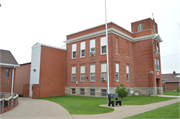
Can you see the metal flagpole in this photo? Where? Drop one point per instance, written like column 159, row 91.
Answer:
column 107, row 50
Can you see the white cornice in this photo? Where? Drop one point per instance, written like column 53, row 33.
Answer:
column 40, row 44
column 117, row 32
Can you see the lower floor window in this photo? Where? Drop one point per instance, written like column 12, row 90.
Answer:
column 92, row 92
column 82, row 77
column 103, row 92
column 82, row 92
column 93, row 76
column 73, row 90
column 73, row 77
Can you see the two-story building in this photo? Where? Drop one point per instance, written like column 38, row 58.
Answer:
column 134, row 60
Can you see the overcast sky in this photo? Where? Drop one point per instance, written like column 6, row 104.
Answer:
column 25, row 22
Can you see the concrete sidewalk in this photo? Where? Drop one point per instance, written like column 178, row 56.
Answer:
column 29, row 108
column 169, row 96
column 126, row 110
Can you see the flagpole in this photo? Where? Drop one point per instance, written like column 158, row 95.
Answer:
column 107, row 50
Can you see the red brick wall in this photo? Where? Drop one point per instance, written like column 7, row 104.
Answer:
column 25, row 90
column 22, row 77
column 5, row 81
column 171, row 86
column 36, row 91
column 52, row 72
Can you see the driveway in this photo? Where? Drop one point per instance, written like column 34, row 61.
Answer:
column 29, row 108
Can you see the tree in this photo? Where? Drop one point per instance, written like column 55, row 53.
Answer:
column 121, row 91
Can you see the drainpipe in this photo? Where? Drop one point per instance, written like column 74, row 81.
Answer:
column 12, row 83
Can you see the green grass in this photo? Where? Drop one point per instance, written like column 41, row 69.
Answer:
column 90, row 105
column 170, row 111
column 175, row 93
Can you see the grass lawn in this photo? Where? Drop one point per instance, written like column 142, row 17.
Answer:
column 175, row 93
column 170, row 111
column 90, row 105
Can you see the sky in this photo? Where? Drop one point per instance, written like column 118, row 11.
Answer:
column 25, row 22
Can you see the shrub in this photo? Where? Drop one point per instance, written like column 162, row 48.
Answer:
column 5, row 103
column 20, row 95
column 121, row 91
column 178, row 89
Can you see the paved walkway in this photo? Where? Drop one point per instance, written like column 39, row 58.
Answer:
column 41, row 109
column 126, row 110
column 36, row 109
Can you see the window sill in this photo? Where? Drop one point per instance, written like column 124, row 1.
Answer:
column 127, row 57
column 73, row 58
column 103, row 54
column 128, row 81
column 117, row 54
column 118, row 81
column 82, row 57
column 81, row 81
column 92, row 81
column 103, row 81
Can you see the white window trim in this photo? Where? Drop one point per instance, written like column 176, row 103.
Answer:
column 118, row 71
column 102, row 46
column 106, row 69
column 94, row 72
column 83, row 73
column 73, row 73
column 127, row 73
column 140, row 27
column 94, row 45
column 74, row 51
column 83, row 49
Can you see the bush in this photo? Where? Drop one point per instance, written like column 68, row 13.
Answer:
column 178, row 90
column 121, row 91
column 5, row 103
column 20, row 95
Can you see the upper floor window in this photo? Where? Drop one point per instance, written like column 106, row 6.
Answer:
column 140, row 27
column 82, row 49
column 73, row 51
column 154, row 45
column 117, row 72
column 154, row 28
column 73, row 74
column 7, row 72
column 92, row 47
column 157, row 47
column 158, row 66
column 127, row 73
column 103, row 45
column 155, row 64
column 82, row 73
column 92, row 72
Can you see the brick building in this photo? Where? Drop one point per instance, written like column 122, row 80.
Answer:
column 171, row 81
column 22, row 78
column 134, row 60
column 8, row 66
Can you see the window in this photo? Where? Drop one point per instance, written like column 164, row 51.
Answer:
column 82, row 73
column 154, row 46
column 92, row 72
column 7, row 72
column 127, row 49
column 73, row 91
column 82, row 92
column 103, row 92
column 140, row 27
column 103, row 45
column 155, row 64
column 117, row 45
column 92, row 92
column 73, row 51
column 157, row 47
column 154, row 28
column 82, row 49
column 158, row 67
column 117, row 72
column 92, row 47
column 73, row 74
column 103, row 71
column 127, row 73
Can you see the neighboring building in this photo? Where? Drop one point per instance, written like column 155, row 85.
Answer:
column 48, row 71
column 134, row 60
column 22, row 78
column 171, row 81
column 8, row 66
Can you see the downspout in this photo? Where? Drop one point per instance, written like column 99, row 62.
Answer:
column 12, row 82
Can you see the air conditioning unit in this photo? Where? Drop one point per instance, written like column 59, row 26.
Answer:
column 92, row 53
column 103, row 78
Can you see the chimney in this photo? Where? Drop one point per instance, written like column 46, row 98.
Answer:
column 174, row 72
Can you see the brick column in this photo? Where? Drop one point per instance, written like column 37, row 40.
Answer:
column 10, row 103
